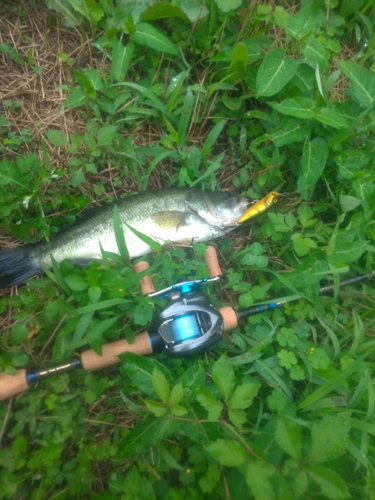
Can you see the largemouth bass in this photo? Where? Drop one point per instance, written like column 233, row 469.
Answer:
column 168, row 215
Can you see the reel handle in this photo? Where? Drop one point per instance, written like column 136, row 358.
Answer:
column 210, row 256
column 146, row 283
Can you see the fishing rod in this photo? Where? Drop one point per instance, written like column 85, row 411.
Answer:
column 188, row 325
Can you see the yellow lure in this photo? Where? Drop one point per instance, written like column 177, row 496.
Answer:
column 260, row 206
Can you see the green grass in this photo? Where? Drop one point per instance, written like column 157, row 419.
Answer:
column 251, row 99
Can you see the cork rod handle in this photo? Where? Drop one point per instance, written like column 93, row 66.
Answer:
column 10, row 385
column 110, row 352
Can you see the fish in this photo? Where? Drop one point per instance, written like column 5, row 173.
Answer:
column 260, row 206
column 172, row 215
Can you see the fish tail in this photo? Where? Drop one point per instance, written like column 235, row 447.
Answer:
column 17, row 265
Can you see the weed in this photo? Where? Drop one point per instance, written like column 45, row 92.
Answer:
column 220, row 95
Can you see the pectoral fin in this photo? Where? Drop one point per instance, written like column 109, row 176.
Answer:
column 171, row 219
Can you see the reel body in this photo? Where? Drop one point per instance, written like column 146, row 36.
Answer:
column 189, row 324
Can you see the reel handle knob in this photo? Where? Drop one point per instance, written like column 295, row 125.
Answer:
column 146, row 283
column 10, row 385
column 210, row 256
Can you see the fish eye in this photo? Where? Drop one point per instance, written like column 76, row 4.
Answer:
column 227, row 194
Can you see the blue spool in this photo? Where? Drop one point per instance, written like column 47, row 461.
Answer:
column 185, row 327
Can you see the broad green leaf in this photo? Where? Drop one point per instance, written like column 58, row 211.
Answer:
column 106, row 134
column 258, row 475
column 94, row 78
column 18, row 333
column 12, row 53
column 76, row 282
column 161, row 10
column 71, row 17
column 161, row 385
column 227, row 452
column 177, row 393
column 158, row 409
column 169, row 458
column 57, row 137
column 146, row 433
column 329, row 437
column 94, row 293
column 312, row 269
column 348, row 203
column 331, row 117
column 243, row 396
column 304, row 79
column 316, row 53
column 85, row 83
column 345, row 251
column 232, row 103
column 254, row 50
column 193, row 377
column 289, row 131
column 75, row 99
column 194, row 9
column 209, row 403
column 307, row 20
column 332, row 485
column 275, row 72
column 288, row 437
column 237, row 417
column 228, row 5
column 119, row 234
column 88, row 8
column 313, row 161
column 149, row 36
column 223, row 376
column 300, row 107
column 121, row 57
column 361, row 81
column 364, row 189
column 140, row 369
column 351, row 162
column 302, row 246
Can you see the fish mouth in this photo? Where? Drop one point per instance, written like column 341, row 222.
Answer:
column 235, row 211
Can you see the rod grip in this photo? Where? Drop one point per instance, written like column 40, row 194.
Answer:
column 110, row 352
column 210, row 256
column 230, row 318
column 10, row 385
column 146, row 283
